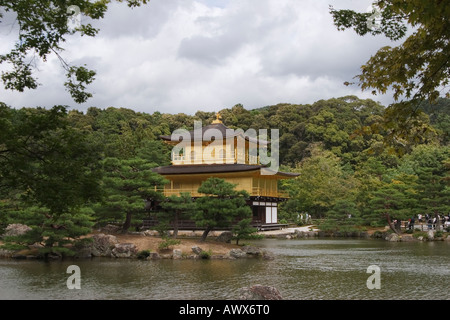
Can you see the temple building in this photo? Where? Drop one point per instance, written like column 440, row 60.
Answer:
column 218, row 151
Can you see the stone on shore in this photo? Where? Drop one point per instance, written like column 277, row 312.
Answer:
column 103, row 244
column 177, row 254
column 252, row 251
column 153, row 256
column 237, row 253
column 16, row 229
column 197, row 249
column 225, row 237
column 124, row 250
column 260, row 292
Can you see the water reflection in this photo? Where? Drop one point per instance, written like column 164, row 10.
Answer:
column 302, row 269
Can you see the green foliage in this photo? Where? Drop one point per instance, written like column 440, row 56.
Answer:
column 61, row 162
column 167, row 243
column 243, row 230
column 220, row 206
column 321, row 183
column 416, row 70
column 143, row 254
column 55, row 233
column 205, row 254
column 47, row 161
column 176, row 208
column 127, row 184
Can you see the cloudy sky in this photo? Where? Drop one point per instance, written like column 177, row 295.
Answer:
column 186, row 55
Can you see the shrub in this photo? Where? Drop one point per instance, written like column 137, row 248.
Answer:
column 420, row 234
column 144, row 254
column 168, row 243
column 205, row 254
column 439, row 234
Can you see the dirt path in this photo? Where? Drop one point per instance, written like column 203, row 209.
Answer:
column 152, row 243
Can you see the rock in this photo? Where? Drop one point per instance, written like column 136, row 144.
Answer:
column 430, row 235
column 364, row 234
column 288, row 237
column 153, row 256
column 103, row 244
column 420, row 238
column 111, row 229
column 16, row 229
column 237, row 253
column 6, row 253
column 54, row 256
column 225, row 237
column 260, row 292
column 124, row 250
column 177, row 254
column 250, row 250
column 197, row 249
column 300, row 234
column 150, row 233
column 84, row 252
column 393, row 237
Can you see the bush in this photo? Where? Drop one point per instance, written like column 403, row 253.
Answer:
column 168, row 243
column 420, row 234
column 439, row 234
column 205, row 254
column 144, row 254
column 163, row 229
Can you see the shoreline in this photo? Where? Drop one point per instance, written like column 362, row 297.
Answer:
column 146, row 245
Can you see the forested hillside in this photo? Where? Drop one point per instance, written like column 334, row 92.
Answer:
column 66, row 171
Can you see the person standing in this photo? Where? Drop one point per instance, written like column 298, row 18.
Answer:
column 411, row 223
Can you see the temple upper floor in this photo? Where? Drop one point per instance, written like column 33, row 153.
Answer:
column 216, row 144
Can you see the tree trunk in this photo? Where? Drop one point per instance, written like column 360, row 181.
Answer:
column 391, row 225
column 205, row 234
column 175, row 226
column 127, row 223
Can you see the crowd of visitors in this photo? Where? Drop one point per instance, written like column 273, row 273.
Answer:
column 431, row 221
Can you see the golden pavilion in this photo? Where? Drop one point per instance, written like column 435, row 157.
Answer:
column 218, row 151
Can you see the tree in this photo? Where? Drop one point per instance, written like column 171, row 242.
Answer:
column 55, row 233
column 49, row 163
column 176, row 208
column 322, row 181
column 127, row 185
column 343, row 216
column 221, row 206
column 395, row 200
column 418, row 68
column 243, row 229
column 428, row 163
column 43, row 27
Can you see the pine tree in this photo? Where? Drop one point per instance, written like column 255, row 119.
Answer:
column 176, row 208
column 221, row 206
column 127, row 185
column 395, row 200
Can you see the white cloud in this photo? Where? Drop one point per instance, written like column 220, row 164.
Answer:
column 186, row 55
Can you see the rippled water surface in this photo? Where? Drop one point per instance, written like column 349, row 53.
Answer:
column 302, row 269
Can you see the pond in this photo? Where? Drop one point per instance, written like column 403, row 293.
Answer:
column 331, row 269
